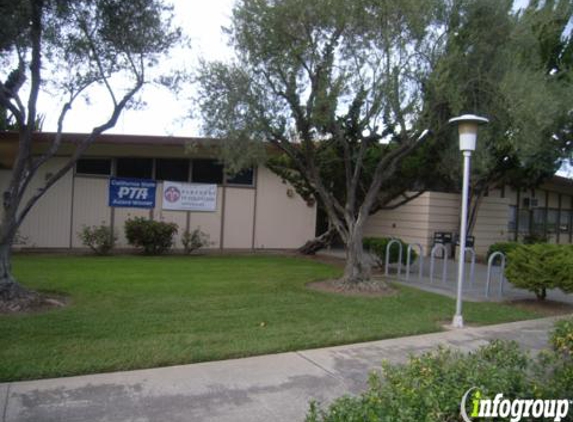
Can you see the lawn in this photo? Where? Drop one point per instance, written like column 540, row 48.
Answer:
column 133, row 312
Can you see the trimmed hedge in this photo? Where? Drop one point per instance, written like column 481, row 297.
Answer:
column 154, row 237
column 377, row 247
column 504, row 247
column 540, row 267
column 430, row 387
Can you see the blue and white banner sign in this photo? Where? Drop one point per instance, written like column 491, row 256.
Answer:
column 132, row 193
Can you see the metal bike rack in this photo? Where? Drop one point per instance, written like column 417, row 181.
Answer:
column 420, row 260
column 472, row 265
column 387, row 258
column 490, row 261
column 439, row 246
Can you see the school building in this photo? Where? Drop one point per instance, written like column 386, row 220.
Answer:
column 124, row 176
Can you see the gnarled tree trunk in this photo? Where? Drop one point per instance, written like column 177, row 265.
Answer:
column 320, row 242
column 9, row 289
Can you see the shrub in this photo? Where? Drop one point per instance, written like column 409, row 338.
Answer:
column 534, row 238
column 561, row 266
column 155, row 237
column 561, row 337
column 194, row 240
column 430, row 387
column 377, row 247
column 504, row 247
column 100, row 239
column 541, row 266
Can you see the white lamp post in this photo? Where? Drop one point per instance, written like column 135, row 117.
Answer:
column 467, row 129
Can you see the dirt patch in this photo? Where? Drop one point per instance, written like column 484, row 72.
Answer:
column 35, row 304
column 373, row 288
column 544, row 307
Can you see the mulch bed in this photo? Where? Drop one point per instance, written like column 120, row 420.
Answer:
column 544, row 307
column 34, row 304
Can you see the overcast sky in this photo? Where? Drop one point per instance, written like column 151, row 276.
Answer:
column 164, row 113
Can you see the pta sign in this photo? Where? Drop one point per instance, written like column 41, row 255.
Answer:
column 132, row 193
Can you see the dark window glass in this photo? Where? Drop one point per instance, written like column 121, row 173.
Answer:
column 539, row 220
column 565, row 221
column 524, row 221
column 138, row 168
column 207, row 171
column 552, row 220
column 172, row 169
column 244, row 177
column 94, row 166
column 512, row 224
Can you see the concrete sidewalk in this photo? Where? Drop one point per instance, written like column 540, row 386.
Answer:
column 273, row 387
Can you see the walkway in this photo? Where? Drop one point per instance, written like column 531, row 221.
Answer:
column 472, row 291
column 265, row 388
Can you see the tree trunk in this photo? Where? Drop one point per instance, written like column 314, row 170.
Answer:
column 9, row 288
column 320, row 242
column 357, row 269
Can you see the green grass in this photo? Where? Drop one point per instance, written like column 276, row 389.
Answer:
column 139, row 312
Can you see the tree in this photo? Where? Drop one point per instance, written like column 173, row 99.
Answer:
column 327, row 78
column 69, row 47
column 515, row 69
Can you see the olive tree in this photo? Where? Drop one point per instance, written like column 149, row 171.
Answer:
column 311, row 77
column 67, row 47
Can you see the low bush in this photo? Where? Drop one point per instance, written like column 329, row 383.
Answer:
column 377, row 247
column 154, row 237
column 561, row 337
column 194, row 240
column 504, row 247
column 540, row 267
column 100, row 239
column 430, row 387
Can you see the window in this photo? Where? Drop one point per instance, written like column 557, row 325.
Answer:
column 138, row 168
column 565, row 222
column 524, row 221
column 207, row 171
column 173, row 169
column 512, row 224
column 244, row 177
column 552, row 220
column 94, row 166
column 539, row 220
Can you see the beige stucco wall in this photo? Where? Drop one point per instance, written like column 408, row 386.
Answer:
column 266, row 212
column 491, row 223
column 282, row 221
column 419, row 219
column 49, row 223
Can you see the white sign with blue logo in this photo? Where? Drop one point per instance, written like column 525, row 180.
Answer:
column 189, row 197
column 132, row 193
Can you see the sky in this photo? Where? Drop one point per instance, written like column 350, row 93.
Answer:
column 164, row 113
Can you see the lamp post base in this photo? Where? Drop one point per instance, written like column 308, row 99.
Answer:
column 458, row 321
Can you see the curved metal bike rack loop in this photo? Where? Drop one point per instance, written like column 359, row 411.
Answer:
column 387, row 258
column 472, row 265
column 439, row 246
column 409, row 260
column 489, row 270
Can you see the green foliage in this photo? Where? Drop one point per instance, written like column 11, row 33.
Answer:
column 561, row 338
column 194, row 240
column 533, row 238
column 541, row 266
column 100, row 239
column 155, row 237
column 504, row 247
column 377, row 246
column 430, row 387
